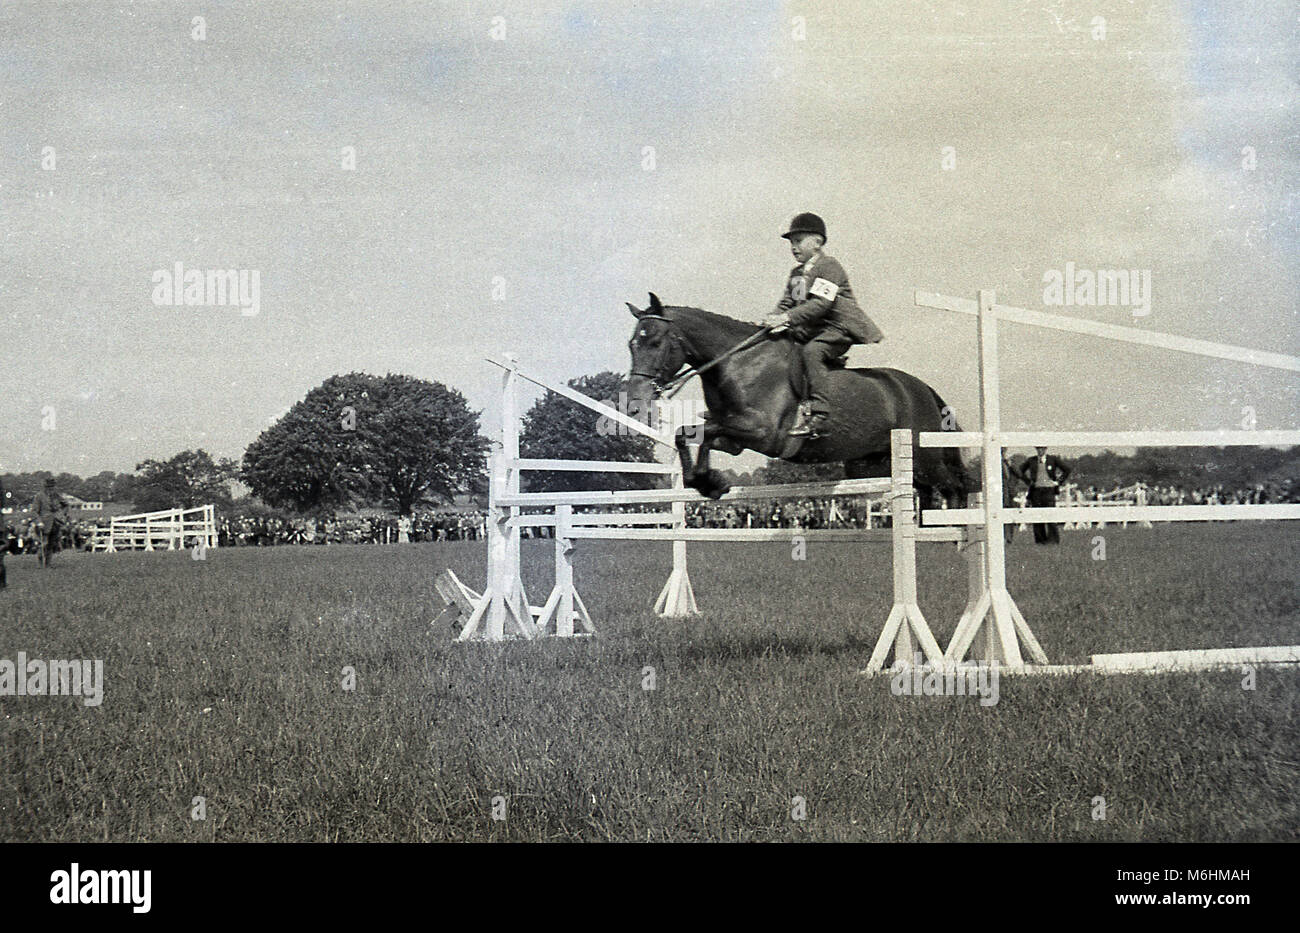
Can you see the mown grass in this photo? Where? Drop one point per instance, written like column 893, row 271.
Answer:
column 223, row 680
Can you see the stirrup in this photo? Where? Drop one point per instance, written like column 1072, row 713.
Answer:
column 810, row 425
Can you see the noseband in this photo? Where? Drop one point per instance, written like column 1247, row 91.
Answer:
column 656, row 365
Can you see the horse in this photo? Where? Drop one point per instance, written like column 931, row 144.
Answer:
column 753, row 400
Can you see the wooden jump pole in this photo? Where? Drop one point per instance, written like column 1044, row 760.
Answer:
column 502, row 607
column 906, row 627
column 564, row 608
column 1000, row 621
column 677, row 598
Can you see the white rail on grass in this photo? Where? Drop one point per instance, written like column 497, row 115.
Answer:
column 148, row 531
column 1280, row 511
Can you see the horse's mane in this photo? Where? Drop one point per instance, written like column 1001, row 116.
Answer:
column 717, row 323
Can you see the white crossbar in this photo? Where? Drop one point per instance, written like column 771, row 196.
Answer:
column 1113, row 438
column 1120, row 513
column 847, row 487
column 586, row 402
column 603, row 519
column 1195, row 660
column 748, row 535
column 1221, row 351
column 596, row 466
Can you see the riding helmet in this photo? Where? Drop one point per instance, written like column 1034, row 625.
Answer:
column 806, row 223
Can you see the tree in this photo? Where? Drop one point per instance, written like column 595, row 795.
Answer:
column 191, row 478
column 98, row 488
column 775, row 472
column 556, row 428
column 123, row 489
column 362, row 439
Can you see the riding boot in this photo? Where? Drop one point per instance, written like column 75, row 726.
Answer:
column 819, row 356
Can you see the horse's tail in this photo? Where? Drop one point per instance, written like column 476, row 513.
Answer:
column 954, row 461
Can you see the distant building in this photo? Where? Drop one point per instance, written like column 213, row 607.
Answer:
column 75, row 503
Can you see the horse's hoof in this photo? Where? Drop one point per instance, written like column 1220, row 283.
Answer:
column 713, row 485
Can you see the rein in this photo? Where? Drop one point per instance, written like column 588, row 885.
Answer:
column 675, row 385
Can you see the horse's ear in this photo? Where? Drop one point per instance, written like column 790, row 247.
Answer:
column 654, row 304
column 636, row 312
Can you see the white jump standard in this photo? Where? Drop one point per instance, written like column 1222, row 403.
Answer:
column 1003, row 629
column 503, row 611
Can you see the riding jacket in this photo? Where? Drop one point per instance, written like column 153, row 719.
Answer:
column 818, row 295
column 1054, row 470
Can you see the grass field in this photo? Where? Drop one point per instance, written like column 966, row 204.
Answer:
column 223, row 680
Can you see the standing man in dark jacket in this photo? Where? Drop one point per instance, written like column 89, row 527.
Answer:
column 1044, row 473
column 821, row 313
column 50, row 515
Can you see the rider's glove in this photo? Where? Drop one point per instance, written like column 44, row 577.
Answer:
column 777, row 321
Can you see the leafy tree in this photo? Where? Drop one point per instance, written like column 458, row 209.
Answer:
column 780, row 471
column 360, row 439
column 98, row 488
column 556, row 428
column 189, row 479
column 123, row 489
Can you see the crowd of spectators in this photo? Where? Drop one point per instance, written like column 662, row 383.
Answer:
column 433, row 525
column 255, row 530
column 1218, row 494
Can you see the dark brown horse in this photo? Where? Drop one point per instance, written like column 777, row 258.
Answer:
column 752, row 403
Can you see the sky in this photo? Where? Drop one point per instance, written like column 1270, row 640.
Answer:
column 523, row 169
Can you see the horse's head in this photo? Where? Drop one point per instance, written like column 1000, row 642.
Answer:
column 658, row 353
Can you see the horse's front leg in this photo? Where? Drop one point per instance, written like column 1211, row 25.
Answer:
column 696, row 473
column 695, row 467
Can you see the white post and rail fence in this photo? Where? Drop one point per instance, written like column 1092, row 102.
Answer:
column 991, row 628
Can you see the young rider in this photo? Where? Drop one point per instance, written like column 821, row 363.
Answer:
column 820, row 312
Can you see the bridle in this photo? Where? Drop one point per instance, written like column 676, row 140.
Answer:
column 682, row 376
column 656, row 364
